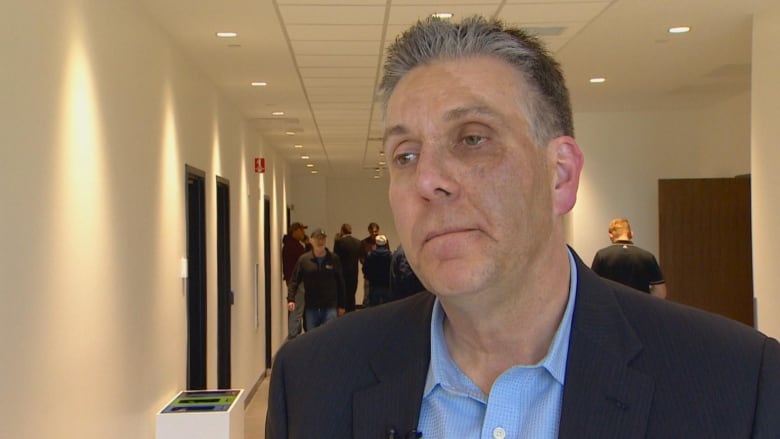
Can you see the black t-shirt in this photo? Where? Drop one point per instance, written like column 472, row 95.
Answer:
column 630, row 265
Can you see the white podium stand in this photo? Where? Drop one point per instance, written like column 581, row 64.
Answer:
column 203, row 414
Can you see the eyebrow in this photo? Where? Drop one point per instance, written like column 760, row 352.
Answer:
column 461, row 112
column 449, row 116
column 395, row 130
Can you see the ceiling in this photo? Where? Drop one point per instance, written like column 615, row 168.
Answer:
column 322, row 60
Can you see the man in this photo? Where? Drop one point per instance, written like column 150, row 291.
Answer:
column 348, row 248
column 403, row 281
column 377, row 271
column 518, row 339
column 292, row 249
column 368, row 244
column 628, row 264
column 319, row 271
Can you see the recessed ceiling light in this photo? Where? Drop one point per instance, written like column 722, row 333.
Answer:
column 314, row 171
column 297, row 146
column 277, row 113
column 679, row 29
column 290, row 133
column 442, row 14
column 597, row 80
column 227, row 34
column 259, row 84
column 309, row 165
column 382, row 163
column 376, row 177
column 305, row 157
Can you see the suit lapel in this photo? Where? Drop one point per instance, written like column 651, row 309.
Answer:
column 603, row 396
column 400, row 366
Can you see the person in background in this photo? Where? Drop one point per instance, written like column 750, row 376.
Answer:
column 319, row 270
column 368, row 244
column 628, row 264
column 348, row 248
column 403, row 281
column 516, row 336
column 377, row 271
column 292, row 249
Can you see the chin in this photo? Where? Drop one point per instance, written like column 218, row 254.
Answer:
column 450, row 278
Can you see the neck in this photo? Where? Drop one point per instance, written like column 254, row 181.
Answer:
column 319, row 251
column 516, row 329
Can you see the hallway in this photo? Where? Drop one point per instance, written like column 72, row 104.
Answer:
column 254, row 416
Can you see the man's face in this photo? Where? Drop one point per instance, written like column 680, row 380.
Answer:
column 471, row 194
column 298, row 234
column 318, row 242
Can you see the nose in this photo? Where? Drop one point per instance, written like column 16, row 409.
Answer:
column 435, row 177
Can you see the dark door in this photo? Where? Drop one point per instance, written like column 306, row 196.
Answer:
column 267, row 268
column 224, row 292
column 705, row 244
column 196, row 279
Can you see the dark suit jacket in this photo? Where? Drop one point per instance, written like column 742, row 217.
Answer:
column 348, row 248
column 638, row 367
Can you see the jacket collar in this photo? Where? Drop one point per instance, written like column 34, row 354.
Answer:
column 400, row 370
column 603, row 396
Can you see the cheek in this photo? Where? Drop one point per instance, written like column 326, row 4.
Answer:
column 398, row 198
column 517, row 192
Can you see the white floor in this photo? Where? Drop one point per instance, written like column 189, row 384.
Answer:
column 254, row 416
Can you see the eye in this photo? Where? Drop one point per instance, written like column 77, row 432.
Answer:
column 404, row 159
column 473, row 140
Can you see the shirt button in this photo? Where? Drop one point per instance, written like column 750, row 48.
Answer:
column 499, row 433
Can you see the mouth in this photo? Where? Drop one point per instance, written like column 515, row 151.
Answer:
column 445, row 232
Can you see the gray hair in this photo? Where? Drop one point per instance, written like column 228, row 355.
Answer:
column 547, row 109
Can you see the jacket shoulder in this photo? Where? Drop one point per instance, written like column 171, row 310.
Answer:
column 715, row 368
column 316, row 376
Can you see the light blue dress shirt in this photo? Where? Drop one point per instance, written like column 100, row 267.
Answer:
column 524, row 402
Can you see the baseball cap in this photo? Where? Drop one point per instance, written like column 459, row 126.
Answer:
column 381, row 240
column 318, row 232
column 296, row 226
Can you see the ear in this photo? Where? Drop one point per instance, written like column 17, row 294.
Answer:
column 567, row 159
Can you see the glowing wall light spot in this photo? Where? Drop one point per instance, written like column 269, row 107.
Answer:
column 82, row 185
column 216, row 147
column 171, row 184
column 83, row 268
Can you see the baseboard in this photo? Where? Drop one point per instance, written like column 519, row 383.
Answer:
column 251, row 394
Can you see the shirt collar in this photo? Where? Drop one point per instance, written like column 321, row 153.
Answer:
column 443, row 371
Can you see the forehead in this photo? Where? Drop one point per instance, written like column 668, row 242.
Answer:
column 444, row 78
column 447, row 90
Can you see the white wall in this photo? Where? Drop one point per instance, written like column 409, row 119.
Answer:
column 100, row 114
column 765, row 158
column 331, row 202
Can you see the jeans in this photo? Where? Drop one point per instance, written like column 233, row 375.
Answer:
column 365, row 291
column 318, row 317
column 294, row 326
column 378, row 294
